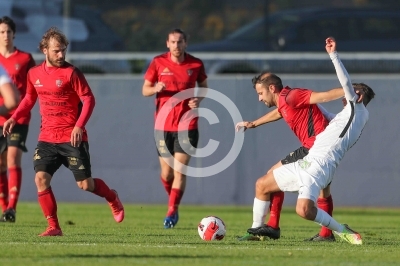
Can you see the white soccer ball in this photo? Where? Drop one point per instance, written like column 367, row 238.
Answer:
column 211, row 228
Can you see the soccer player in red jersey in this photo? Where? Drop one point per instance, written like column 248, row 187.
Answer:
column 66, row 103
column 298, row 107
column 168, row 74
column 17, row 63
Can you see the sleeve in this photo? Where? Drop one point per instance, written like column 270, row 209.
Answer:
column 343, row 77
column 298, row 98
column 151, row 73
column 84, row 92
column 202, row 74
column 27, row 102
column 4, row 78
column 325, row 112
column 31, row 62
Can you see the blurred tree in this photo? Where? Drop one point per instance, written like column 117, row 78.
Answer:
column 144, row 24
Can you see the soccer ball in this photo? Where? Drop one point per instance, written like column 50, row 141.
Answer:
column 211, row 228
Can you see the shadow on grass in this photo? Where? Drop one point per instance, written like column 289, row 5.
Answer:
column 114, row 256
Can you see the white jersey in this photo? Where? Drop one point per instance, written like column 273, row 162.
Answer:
column 342, row 132
column 4, row 78
column 316, row 170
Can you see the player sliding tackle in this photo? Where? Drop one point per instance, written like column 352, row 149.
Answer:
column 316, row 170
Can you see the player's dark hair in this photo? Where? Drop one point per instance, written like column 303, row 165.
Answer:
column 9, row 22
column 177, row 30
column 55, row 33
column 369, row 94
column 267, row 78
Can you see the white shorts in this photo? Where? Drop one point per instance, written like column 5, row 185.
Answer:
column 307, row 180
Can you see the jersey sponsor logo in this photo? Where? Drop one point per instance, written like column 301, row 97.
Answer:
column 189, row 72
column 304, row 164
column 36, row 155
column 37, row 83
column 166, row 72
column 15, row 136
column 162, row 150
column 59, row 82
column 73, row 161
column 17, row 66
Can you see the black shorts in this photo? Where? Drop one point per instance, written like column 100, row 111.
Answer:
column 17, row 138
column 48, row 158
column 296, row 155
column 169, row 141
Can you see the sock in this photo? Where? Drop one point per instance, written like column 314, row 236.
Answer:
column 174, row 200
column 326, row 220
column 14, row 186
column 102, row 190
column 259, row 212
column 48, row 204
column 167, row 185
column 275, row 208
column 325, row 204
column 3, row 191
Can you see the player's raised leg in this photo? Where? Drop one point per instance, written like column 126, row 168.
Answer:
column 98, row 187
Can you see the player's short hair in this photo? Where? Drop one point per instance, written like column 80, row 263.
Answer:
column 177, row 30
column 369, row 94
column 9, row 22
column 55, row 33
column 267, row 78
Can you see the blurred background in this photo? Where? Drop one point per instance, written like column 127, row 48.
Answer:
column 136, row 30
column 114, row 41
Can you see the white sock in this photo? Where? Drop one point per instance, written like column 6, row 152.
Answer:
column 324, row 219
column 259, row 212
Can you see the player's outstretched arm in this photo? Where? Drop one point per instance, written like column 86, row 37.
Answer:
column 271, row 116
column 341, row 71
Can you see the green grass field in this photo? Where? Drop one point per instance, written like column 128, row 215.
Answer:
column 91, row 237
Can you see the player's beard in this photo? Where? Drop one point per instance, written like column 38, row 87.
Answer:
column 177, row 53
column 56, row 62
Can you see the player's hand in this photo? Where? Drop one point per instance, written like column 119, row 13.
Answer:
column 159, row 87
column 194, row 102
column 330, row 45
column 8, row 126
column 76, row 136
column 244, row 125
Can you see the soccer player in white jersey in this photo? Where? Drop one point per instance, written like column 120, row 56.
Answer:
column 316, row 170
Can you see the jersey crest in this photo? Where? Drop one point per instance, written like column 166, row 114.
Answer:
column 59, row 83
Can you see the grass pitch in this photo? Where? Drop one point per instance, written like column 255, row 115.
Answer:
column 91, row 237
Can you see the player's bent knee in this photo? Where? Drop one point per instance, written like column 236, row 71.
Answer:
column 261, row 186
column 167, row 176
column 301, row 210
column 42, row 180
column 305, row 212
